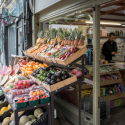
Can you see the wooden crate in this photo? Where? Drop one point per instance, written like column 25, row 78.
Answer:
column 60, row 84
column 57, row 85
column 82, row 50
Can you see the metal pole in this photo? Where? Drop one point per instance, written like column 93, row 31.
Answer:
column 96, row 67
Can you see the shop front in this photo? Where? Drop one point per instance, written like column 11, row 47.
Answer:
column 63, row 75
column 61, row 13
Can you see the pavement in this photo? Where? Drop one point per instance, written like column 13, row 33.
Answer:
column 117, row 116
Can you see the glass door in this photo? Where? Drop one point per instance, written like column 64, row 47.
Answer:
column 11, row 41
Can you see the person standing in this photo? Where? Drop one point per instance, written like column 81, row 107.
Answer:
column 110, row 47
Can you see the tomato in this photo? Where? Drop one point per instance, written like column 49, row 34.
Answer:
column 35, row 98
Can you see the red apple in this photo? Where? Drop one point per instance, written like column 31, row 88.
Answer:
column 22, row 91
column 16, row 82
column 24, row 62
column 24, row 82
column 20, row 83
column 28, row 82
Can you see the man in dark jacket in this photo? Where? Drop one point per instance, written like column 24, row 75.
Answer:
column 110, row 47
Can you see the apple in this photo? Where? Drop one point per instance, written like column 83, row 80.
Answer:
column 16, row 82
column 22, row 91
column 20, row 83
column 22, row 87
column 24, row 82
column 24, row 62
column 28, row 82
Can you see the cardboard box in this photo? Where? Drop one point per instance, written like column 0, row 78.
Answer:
column 120, row 65
column 103, row 33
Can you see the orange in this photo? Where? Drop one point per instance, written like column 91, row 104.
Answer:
column 36, row 63
column 32, row 62
column 30, row 66
column 37, row 90
column 34, row 94
column 24, row 66
column 38, row 93
column 31, row 92
column 36, row 67
column 42, row 66
column 45, row 64
column 30, row 69
column 41, row 92
column 29, row 72
column 23, row 69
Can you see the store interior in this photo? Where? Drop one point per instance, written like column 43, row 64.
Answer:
column 57, row 73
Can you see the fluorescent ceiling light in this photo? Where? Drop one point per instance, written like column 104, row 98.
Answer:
column 107, row 23
column 123, row 25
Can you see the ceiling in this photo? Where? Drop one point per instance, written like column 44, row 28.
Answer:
column 113, row 12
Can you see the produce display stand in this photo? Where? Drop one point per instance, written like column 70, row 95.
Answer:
column 105, row 83
column 26, row 108
column 64, row 65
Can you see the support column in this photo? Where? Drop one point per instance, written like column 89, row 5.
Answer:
column 96, row 67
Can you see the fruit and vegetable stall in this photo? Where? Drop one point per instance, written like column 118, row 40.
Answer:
column 31, row 81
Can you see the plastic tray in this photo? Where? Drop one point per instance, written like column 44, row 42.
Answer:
column 20, row 105
column 32, row 103
column 6, row 113
column 45, row 100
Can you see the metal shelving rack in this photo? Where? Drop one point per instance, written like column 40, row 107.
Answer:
column 51, row 104
column 79, row 82
column 26, row 108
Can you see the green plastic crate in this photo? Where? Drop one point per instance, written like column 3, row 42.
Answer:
column 45, row 100
column 20, row 105
column 117, row 103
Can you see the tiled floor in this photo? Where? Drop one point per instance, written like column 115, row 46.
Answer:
column 117, row 116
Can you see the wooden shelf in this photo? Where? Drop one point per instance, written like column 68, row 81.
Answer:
column 115, row 96
column 115, row 36
column 115, row 72
column 110, row 82
column 108, row 37
column 109, row 64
